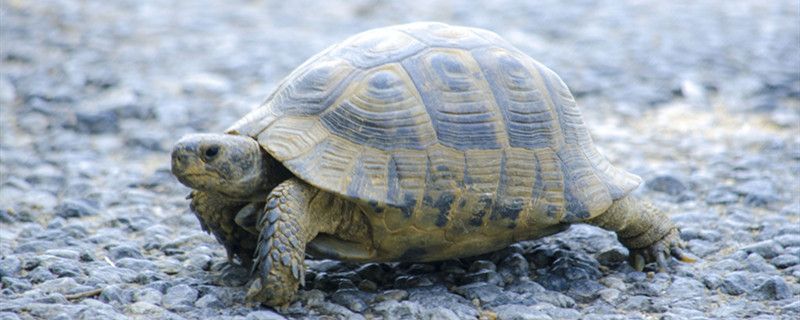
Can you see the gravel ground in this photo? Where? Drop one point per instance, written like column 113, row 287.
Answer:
column 700, row 99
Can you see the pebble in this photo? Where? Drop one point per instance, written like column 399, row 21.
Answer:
column 785, row 260
column 668, row 184
column 767, row 249
column 264, row 315
column 774, row 288
column 75, row 208
column 394, row 294
column 179, row 297
column 518, row 312
column 351, row 299
column 736, row 283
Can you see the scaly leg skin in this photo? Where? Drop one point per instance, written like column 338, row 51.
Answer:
column 217, row 215
column 648, row 233
column 285, row 228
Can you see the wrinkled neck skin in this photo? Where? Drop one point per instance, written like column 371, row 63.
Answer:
column 272, row 175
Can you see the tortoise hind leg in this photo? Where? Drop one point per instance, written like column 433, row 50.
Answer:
column 648, row 233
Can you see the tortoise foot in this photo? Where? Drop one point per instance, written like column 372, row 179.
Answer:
column 658, row 252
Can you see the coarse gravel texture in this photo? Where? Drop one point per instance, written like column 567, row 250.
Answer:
column 702, row 99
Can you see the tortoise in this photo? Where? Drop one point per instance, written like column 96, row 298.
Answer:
column 416, row 142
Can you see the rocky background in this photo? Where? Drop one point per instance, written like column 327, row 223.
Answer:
column 700, row 99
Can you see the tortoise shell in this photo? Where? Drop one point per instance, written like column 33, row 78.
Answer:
column 440, row 125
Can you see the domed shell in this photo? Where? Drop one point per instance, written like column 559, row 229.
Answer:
column 428, row 112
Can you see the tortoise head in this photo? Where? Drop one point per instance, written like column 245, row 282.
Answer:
column 227, row 164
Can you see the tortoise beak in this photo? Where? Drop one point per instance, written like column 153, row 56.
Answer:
column 185, row 159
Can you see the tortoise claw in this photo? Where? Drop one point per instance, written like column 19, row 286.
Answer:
column 660, row 251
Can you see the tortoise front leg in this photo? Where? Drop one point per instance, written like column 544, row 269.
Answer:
column 648, row 233
column 285, row 227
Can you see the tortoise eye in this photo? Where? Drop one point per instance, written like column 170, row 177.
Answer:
column 211, row 152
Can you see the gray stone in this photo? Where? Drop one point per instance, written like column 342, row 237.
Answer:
column 75, row 208
column 439, row 313
column 774, row 288
column 612, row 256
column 16, row 285
column 116, row 294
column 350, row 298
column 789, row 240
column 518, row 312
column 481, row 265
column 767, row 249
column 148, row 295
column 721, row 195
column 785, row 260
column 124, row 251
column 391, row 309
column 179, row 297
column 484, row 292
column 264, row 315
column 757, row 192
column 736, row 283
column 209, row 301
column 136, row 264
column 397, row 295
column 10, row 266
column 668, row 184
column 97, row 122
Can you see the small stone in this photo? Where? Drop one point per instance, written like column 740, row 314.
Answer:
column 350, row 299
column 484, row 292
column 440, row 313
column 555, row 298
column 667, row 184
column 97, row 121
column 179, row 297
column 585, row 291
column 10, row 266
column 147, row 309
column 373, row 272
column 124, row 251
column 40, row 274
column 394, row 294
column 64, row 253
column 209, row 301
column 514, row 266
column 767, row 249
column 16, row 285
column 116, row 294
column 736, row 283
column 74, row 208
column 487, row 276
column 756, row 263
column 367, row 285
column 721, row 195
column 785, row 260
column 148, row 295
column 136, row 264
column 481, row 265
column 788, row 240
column 774, row 288
column 702, row 248
column 65, row 269
column 519, row 312
column 612, row 256
column 62, row 285
column 264, row 315
column 609, row 295
column 757, row 193
column 392, row 309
